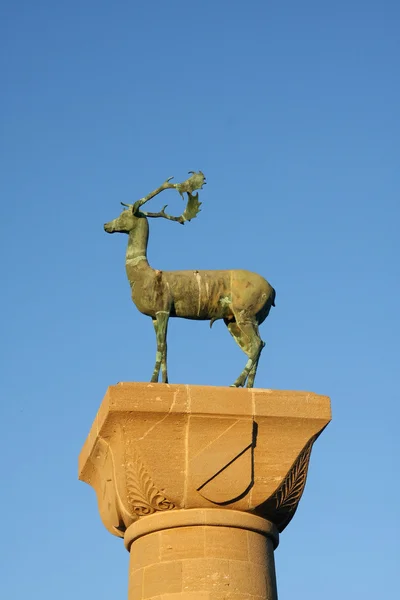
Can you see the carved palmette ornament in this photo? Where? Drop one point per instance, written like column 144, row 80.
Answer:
column 123, row 495
column 282, row 505
column 142, row 495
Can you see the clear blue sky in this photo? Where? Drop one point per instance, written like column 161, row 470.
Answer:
column 292, row 111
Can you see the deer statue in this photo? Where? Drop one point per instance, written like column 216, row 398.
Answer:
column 241, row 298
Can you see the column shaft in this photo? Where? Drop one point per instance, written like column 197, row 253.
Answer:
column 203, row 560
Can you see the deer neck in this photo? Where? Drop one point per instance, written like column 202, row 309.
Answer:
column 136, row 252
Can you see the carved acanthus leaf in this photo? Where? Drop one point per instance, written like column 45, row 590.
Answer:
column 281, row 506
column 143, row 497
column 289, row 493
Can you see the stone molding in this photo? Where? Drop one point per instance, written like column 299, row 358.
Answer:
column 201, row 517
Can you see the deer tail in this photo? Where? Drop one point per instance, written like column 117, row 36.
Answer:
column 273, row 297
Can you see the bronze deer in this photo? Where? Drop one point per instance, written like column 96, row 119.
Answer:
column 241, row 298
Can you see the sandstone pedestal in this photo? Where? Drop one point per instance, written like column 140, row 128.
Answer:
column 200, row 481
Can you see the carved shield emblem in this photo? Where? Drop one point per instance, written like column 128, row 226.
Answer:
column 223, row 469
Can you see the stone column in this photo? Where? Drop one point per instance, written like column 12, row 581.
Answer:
column 200, row 481
column 211, row 550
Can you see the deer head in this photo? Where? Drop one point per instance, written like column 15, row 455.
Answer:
column 129, row 217
column 122, row 224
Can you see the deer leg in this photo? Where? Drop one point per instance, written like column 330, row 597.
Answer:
column 156, row 371
column 160, row 326
column 164, row 373
column 249, row 372
column 252, row 374
column 253, row 370
column 236, row 333
column 245, row 333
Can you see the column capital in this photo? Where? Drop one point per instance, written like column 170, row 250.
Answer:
column 158, row 448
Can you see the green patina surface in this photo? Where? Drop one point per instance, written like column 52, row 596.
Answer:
column 241, row 298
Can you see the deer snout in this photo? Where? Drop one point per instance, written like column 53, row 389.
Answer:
column 108, row 228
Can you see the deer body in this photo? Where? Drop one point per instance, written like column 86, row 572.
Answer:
column 200, row 295
column 241, row 298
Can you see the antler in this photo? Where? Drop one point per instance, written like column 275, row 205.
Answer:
column 165, row 186
column 195, row 182
column 191, row 211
